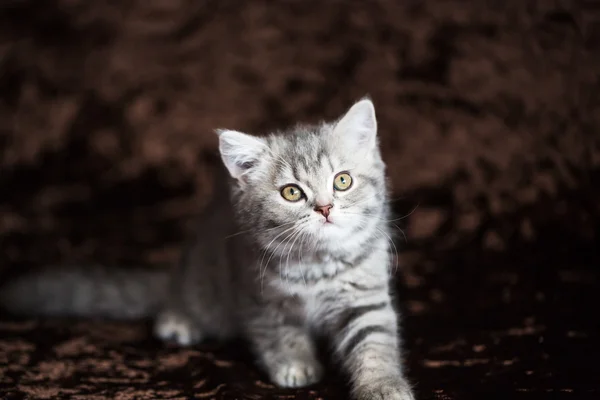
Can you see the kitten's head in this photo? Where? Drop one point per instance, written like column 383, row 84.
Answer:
column 317, row 186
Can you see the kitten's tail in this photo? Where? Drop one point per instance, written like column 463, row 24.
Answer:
column 86, row 292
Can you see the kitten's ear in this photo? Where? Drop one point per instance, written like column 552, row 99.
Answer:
column 358, row 127
column 239, row 151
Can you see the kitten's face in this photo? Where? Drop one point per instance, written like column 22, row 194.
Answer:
column 314, row 188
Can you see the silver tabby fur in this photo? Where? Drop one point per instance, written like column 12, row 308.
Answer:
column 267, row 269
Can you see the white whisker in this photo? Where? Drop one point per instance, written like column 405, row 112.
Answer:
column 289, row 239
column 368, row 216
column 258, row 232
column 405, row 216
column 301, row 255
column 275, row 250
column 300, row 232
column 261, row 273
column 395, row 248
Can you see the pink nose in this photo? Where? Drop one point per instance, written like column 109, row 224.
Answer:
column 324, row 209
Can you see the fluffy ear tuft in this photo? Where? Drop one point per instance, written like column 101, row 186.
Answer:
column 240, row 152
column 358, row 125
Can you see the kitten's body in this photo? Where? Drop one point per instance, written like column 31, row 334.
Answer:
column 271, row 270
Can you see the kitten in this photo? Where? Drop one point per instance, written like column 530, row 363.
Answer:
column 294, row 243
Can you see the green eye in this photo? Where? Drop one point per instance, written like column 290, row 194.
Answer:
column 292, row 193
column 342, row 181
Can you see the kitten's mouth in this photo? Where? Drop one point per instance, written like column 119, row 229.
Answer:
column 326, row 222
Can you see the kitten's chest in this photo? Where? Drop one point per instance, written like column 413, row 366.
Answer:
column 306, row 278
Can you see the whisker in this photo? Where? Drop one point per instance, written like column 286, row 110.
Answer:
column 266, row 249
column 395, row 249
column 274, row 251
column 300, row 225
column 291, row 237
column 367, row 216
column 407, row 215
column 258, row 232
column 300, row 232
column 402, row 232
column 301, row 255
column 365, row 199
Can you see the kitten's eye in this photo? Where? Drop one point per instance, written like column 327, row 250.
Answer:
column 292, row 193
column 342, row 181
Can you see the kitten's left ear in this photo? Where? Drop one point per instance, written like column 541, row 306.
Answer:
column 358, row 125
column 240, row 152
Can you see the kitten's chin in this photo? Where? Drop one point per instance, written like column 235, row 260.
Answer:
column 329, row 230
column 334, row 223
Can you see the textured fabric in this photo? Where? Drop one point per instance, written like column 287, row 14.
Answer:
column 489, row 117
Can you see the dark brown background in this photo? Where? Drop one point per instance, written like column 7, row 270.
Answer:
column 489, row 116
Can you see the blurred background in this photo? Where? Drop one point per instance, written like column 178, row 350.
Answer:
column 489, row 119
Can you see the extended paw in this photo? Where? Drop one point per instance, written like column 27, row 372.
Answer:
column 297, row 373
column 388, row 389
column 174, row 327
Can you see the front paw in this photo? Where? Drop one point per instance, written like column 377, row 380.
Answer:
column 175, row 327
column 296, row 373
column 388, row 389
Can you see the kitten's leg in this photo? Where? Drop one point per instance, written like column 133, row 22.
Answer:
column 366, row 341
column 285, row 350
column 173, row 325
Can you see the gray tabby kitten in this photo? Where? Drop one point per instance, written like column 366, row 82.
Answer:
column 297, row 247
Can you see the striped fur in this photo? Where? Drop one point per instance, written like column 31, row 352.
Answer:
column 275, row 272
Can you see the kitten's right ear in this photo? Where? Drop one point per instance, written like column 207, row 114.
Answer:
column 358, row 127
column 239, row 151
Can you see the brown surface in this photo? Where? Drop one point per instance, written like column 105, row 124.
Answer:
column 489, row 118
